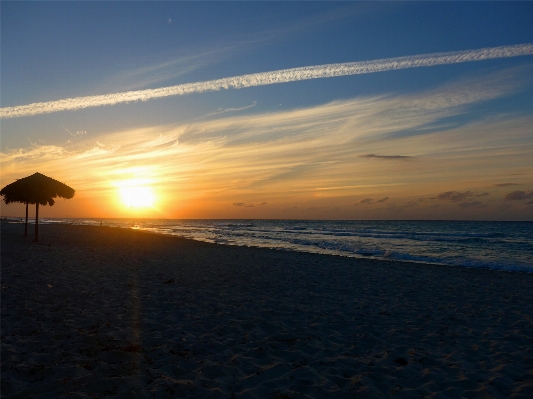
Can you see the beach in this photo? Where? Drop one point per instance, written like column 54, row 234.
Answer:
column 94, row 312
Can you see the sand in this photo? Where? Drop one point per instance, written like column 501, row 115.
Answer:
column 99, row 312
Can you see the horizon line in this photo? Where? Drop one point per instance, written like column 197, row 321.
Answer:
column 6, row 219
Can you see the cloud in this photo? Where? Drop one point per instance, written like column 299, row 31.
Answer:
column 454, row 196
column 383, row 199
column 385, row 156
column 365, row 201
column 457, row 196
column 78, row 132
column 518, row 195
column 363, row 117
column 273, row 77
column 506, row 184
column 244, row 205
column 226, row 110
column 306, row 156
column 155, row 74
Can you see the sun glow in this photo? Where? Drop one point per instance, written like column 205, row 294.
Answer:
column 136, row 195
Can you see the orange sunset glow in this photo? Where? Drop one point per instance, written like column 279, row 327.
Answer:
column 389, row 131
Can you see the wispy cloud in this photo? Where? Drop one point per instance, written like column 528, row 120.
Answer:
column 365, row 201
column 506, row 184
column 518, row 195
column 273, row 77
column 457, row 196
column 149, row 74
column 227, row 110
column 77, row 133
column 315, row 151
column 386, row 156
column 242, row 204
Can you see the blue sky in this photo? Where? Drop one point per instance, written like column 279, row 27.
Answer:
column 321, row 148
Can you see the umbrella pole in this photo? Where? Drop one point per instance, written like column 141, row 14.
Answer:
column 26, row 226
column 37, row 222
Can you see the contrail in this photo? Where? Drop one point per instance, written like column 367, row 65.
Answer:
column 273, row 77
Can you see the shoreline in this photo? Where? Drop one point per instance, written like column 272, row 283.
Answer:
column 118, row 312
column 385, row 253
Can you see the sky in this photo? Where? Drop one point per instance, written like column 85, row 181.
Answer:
column 284, row 110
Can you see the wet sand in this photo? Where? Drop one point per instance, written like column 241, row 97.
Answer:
column 99, row 312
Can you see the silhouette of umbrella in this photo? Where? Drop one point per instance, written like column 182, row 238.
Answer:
column 36, row 189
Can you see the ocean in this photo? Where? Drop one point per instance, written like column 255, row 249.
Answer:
column 506, row 246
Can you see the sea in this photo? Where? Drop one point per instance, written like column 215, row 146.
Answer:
column 506, row 246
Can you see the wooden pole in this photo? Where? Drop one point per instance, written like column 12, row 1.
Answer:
column 37, row 222
column 26, row 226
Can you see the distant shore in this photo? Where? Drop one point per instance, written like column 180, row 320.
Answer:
column 95, row 311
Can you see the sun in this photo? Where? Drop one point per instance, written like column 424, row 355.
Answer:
column 137, row 196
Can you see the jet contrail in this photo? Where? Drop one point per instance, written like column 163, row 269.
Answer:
column 273, row 77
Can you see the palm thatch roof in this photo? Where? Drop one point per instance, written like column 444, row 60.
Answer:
column 36, row 189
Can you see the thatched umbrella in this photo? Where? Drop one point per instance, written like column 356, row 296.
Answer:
column 36, row 189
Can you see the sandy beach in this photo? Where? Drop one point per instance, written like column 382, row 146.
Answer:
column 99, row 312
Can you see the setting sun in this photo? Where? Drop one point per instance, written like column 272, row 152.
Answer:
column 136, row 196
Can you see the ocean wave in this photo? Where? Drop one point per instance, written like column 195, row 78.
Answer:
column 494, row 245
